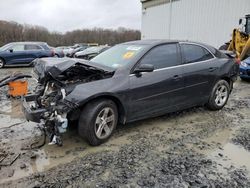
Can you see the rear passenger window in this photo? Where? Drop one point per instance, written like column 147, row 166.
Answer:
column 32, row 47
column 194, row 53
column 162, row 56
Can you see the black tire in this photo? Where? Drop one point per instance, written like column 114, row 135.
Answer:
column 224, row 47
column 212, row 105
column 87, row 121
column 2, row 63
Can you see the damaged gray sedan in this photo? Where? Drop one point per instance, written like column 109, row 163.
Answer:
column 129, row 82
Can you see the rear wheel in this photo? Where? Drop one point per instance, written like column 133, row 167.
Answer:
column 97, row 122
column 1, row 63
column 219, row 95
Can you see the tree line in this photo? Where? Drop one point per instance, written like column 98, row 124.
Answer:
column 14, row 32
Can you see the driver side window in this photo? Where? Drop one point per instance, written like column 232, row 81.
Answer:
column 162, row 56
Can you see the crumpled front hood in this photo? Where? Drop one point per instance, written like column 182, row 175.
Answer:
column 45, row 65
column 55, row 66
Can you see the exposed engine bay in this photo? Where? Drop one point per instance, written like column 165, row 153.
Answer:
column 48, row 106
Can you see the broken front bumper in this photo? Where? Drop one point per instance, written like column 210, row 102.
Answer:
column 30, row 110
column 54, row 120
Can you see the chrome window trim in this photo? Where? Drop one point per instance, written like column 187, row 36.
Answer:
column 183, row 65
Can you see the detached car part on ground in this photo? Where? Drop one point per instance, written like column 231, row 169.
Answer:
column 128, row 82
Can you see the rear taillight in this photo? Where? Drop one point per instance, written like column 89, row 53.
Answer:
column 53, row 53
column 237, row 60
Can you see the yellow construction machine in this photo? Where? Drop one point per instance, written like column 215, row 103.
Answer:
column 240, row 43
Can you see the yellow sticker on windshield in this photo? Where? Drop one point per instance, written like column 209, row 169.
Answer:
column 128, row 55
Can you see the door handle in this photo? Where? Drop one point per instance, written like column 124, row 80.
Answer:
column 211, row 69
column 176, row 77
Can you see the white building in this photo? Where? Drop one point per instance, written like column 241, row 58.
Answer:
column 208, row 21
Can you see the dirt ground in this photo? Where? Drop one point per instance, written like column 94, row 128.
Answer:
column 192, row 148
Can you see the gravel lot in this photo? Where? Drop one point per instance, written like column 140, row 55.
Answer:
column 191, row 148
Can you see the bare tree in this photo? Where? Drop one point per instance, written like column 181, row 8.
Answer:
column 13, row 32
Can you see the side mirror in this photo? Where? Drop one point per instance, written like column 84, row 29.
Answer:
column 240, row 21
column 144, row 68
column 11, row 50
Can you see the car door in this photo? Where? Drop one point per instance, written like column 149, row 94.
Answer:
column 16, row 54
column 158, row 91
column 199, row 72
column 32, row 51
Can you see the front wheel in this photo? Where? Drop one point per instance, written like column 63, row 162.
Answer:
column 98, row 120
column 219, row 95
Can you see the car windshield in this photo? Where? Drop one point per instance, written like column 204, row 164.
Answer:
column 5, row 47
column 118, row 56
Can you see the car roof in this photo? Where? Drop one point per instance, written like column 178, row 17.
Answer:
column 150, row 42
column 155, row 42
column 28, row 42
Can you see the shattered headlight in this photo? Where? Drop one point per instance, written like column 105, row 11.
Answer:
column 34, row 75
column 69, row 89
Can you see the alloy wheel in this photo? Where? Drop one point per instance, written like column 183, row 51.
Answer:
column 221, row 95
column 105, row 122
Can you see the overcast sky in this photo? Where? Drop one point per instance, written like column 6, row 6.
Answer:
column 67, row 15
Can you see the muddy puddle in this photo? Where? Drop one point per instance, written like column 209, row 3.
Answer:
column 237, row 155
column 10, row 113
column 228, row 155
